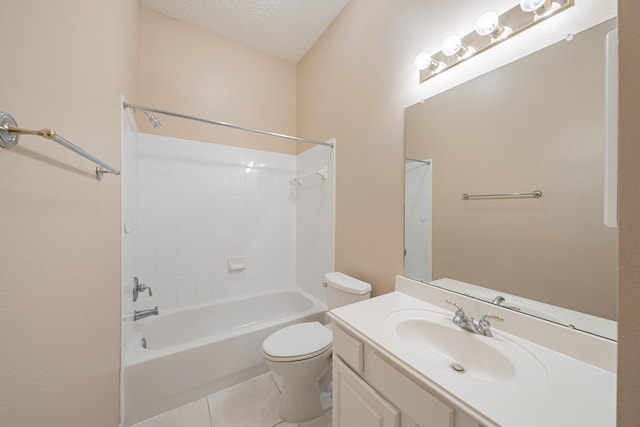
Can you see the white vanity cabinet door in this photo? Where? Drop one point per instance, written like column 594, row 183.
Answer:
column 359, row 402
column 355, row 403
column 464, row 420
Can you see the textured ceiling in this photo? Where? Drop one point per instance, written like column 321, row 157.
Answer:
column 283, row 28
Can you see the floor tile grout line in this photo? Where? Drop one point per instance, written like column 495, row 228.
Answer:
column 283, row 421
column 209, row 411
column 274, row 382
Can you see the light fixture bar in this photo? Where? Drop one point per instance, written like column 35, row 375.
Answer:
column 514, row 19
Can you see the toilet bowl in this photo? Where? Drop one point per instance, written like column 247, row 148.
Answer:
column 301, row 354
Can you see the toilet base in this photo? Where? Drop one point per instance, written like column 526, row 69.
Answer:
column 303, row 401
column 306, row 382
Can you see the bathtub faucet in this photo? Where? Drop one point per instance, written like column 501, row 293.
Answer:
column 141, row 314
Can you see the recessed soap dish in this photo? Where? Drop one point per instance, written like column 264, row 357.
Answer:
column 236, row 263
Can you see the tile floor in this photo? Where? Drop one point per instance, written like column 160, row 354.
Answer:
column 253, row 403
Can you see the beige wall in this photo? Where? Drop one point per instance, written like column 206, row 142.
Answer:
column 346, row 89
column 629, row 215
column 65, row 65
column 59, row 281
column 355, row 83
column 191, row 71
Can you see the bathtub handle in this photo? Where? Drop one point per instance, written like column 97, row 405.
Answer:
column 138, row 288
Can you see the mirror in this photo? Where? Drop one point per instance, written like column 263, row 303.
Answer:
column 536, row 124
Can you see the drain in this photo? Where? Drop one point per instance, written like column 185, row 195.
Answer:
column 457, row 367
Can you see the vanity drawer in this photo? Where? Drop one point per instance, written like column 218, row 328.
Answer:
column 350, row 350
column 414, row 401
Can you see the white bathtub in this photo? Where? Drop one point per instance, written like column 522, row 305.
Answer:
column 195, row 352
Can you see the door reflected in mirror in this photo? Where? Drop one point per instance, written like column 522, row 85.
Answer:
column 535, row 124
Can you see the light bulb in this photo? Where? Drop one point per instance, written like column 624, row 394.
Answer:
column 424, row 61
column 533, row 5
column 488, row 23
column 451, row 45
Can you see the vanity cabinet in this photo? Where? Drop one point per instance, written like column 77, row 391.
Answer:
column 359, row 404
column 369, row 390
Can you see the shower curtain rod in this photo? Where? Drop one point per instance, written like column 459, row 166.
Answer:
column 215, row 122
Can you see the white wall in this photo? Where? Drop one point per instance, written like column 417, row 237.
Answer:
column 189, row 206
column 200, row 204
column 315, row 234
column 129, row 239
column 418, row 220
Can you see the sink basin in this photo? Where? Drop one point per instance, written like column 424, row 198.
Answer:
column 435, row 340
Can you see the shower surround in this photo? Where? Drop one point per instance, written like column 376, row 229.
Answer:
column 201, row 204
column 188, row 207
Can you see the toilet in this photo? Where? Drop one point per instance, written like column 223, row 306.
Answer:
column 301, row 354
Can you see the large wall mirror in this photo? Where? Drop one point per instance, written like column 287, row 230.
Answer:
column 535, row 124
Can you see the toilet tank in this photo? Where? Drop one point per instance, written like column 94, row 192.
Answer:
column 343, row 290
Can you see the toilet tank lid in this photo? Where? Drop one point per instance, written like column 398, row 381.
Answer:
column 347, row 283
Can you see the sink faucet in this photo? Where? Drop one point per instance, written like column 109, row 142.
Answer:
column 499, row 301
column 482, row 326
column 141, row 314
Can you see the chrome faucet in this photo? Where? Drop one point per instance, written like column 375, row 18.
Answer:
column 499, row 301
column 482, row 326
column 141, row 314
column 138, row 288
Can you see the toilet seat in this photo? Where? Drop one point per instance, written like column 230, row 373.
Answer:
column 297, row 342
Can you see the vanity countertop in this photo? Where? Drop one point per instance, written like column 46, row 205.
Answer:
column 574, row 393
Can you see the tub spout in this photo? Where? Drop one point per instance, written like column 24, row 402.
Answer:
column 141, row 314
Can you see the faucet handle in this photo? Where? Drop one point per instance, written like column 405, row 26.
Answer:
column 484, row 327
column 460, row 317
column 486, row 318
column 139, row 287
column 448, row 301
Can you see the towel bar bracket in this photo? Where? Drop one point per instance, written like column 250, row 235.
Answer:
column 7, row 139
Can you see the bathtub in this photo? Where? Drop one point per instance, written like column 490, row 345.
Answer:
column 195, row 352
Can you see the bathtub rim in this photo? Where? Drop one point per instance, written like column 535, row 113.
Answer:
column 135, row 354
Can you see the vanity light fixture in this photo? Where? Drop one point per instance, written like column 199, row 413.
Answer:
column 424, row 61
column 453, row 45
column 490, row 30
column 534, row 5
column 489, row 25
column 540, row 8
